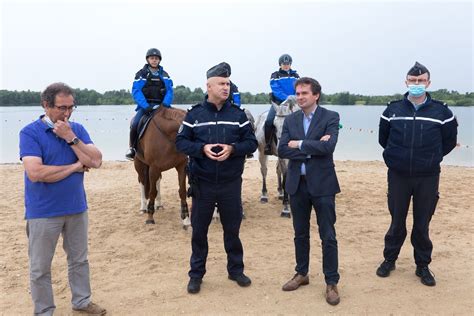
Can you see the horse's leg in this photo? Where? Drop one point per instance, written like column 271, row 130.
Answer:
column 158, row 204
column 263, row 159
column 142, row 171
column 286, row 210
column 182, row 195
column 154, row 175
column 286, row 206
column 280, row 180
column 144, row 202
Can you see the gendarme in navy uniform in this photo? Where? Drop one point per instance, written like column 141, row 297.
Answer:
column 217, row 136
column 415, row 132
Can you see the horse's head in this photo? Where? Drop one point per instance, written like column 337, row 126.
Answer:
column 283, row 110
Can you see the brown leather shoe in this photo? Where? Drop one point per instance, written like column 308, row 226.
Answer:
column 295, row 282
column 332, row 295
column 91, row 309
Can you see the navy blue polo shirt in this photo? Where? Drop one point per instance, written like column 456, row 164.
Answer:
column 64, row 197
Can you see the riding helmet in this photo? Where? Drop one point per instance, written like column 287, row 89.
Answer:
column 285, row 59
column 153, row 52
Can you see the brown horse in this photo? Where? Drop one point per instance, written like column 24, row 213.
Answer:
column 156, row 152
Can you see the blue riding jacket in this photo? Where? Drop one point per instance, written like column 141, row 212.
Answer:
column 234, row 96
column 282, row 84
column 148, row 89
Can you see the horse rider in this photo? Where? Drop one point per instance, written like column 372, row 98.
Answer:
column 282, row 83
column 152, row 87
column 216, row 135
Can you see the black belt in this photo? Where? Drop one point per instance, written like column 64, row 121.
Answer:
column 303, row 177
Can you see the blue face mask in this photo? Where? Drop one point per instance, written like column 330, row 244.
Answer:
column 416, row 90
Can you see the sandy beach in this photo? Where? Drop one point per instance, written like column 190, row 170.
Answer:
column 139, row 269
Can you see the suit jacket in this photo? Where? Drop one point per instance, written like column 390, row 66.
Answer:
column 320, row 173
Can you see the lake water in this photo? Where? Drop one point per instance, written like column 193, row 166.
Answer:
column 108, row 126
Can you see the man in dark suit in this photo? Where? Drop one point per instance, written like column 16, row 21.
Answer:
column 308, row 140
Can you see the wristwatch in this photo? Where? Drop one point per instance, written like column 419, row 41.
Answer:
column 74, row 141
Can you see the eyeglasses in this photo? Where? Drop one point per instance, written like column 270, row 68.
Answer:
column 64, row 108
column 417, row 80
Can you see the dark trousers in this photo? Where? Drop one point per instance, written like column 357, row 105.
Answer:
column 301, row 204
column 425, row 197
column 270, row 116
column 227, row 197
column 134, row 127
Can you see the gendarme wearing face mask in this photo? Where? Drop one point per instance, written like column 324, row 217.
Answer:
column 416, row 132
column 417, row 81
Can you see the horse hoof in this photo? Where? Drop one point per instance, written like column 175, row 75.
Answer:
column 287, row 215
column 142, row 211
column 150, row 221
column 263, row 200
column 186, row 222
column 159, row 207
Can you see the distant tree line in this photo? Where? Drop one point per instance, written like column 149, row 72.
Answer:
column 452, row 98
column 184, row 95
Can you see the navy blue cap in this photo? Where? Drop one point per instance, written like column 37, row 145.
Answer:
column 417, row 70
column 219, row 70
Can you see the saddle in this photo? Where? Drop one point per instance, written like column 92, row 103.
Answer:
column 143, row 124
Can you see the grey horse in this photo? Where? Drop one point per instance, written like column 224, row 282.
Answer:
column 284, row 109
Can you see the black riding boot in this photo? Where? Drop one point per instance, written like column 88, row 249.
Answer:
column 133, row 139
column 268, row 138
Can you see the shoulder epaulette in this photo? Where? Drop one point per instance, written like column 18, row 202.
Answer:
column 138, row 74
column 439, row 102
column 240, row 107
column 394, row 101
column 141, row 73
column 194, row 106
column 164, row 73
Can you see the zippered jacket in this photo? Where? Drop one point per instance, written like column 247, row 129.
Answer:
column 204, row 124
column 282, row 84
column 415, row 141
column 149, row 90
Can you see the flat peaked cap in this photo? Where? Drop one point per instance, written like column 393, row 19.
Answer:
column 417, row 70
column 219, row 70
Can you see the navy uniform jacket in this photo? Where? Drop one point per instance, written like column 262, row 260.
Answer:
column 204, row 124
column 317, row 155
column 415, row 142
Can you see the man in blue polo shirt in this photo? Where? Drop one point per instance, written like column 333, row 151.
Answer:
column 55, row 154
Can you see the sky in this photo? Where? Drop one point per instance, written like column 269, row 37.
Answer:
column 362, row 47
